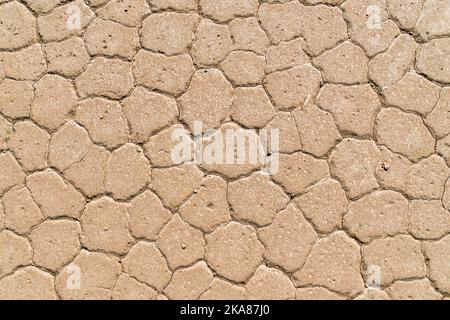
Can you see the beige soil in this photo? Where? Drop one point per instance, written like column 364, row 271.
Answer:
column 92, row 207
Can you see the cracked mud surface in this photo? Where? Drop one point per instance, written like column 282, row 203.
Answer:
column 87, row 185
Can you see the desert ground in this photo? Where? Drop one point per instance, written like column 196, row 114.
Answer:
column 225, row 149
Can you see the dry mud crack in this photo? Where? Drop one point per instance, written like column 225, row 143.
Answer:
column 351, row 100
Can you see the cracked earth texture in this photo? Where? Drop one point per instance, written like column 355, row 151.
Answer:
column 88, row 189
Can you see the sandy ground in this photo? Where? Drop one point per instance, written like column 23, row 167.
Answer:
column 351, row 200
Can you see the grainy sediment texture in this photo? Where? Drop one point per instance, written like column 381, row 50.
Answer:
column 92, row 207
